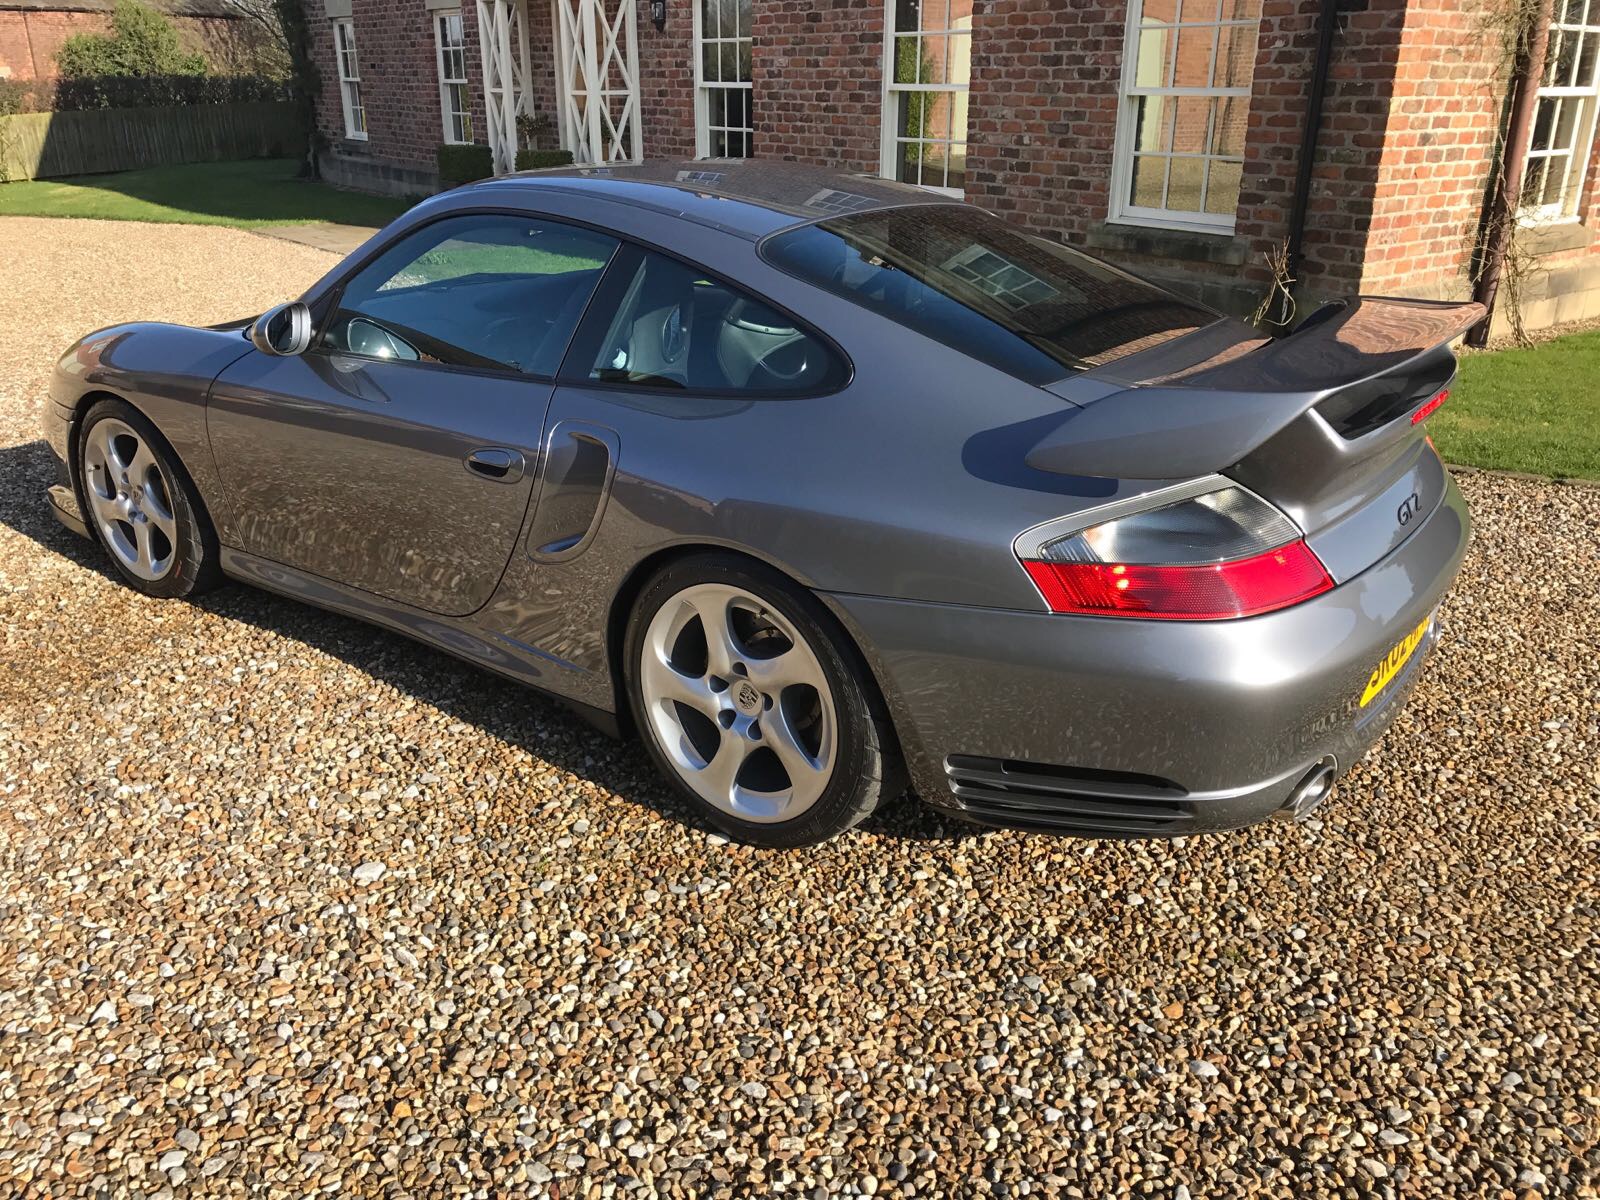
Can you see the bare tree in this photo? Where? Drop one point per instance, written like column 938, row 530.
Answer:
column 264, row 49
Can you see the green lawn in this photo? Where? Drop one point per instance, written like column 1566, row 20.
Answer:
column 246, row 195
column 1534, row 410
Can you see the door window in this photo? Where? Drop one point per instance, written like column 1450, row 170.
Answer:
column 486, row 291
column 677, row 327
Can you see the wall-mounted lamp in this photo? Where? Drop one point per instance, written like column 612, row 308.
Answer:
column 658, row 14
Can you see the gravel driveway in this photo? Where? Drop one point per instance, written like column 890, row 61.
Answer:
column 290, row 905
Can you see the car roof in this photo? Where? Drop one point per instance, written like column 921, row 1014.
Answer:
column 747, row 197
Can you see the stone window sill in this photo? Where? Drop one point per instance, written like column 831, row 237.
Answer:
column 1220, row 248
column 1553, row 239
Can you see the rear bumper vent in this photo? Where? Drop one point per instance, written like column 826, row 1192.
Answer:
column 1077, row 800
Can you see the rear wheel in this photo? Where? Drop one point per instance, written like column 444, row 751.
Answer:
column 751, row 704
column 141, row 505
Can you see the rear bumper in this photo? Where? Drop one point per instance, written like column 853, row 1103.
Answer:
column 1109, row 727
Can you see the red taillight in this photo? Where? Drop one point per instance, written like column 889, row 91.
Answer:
column 1428, row 409
column 1242, row 587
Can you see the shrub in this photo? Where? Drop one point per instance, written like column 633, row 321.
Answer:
column 141, row 42
column 464, row 164
column 18, row 96
column 532, row 160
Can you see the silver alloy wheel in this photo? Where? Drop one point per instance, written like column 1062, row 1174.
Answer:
column 738, row 702
column 130, row 498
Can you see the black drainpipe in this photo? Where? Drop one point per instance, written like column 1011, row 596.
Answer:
column 1327, row 20
column 1506, row 182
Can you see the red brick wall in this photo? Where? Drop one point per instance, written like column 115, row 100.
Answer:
column 29, row 40
column 818, row 81
column 1437, row 152
column 399, row 80
column 666, row 81
column 1436, row 165
column 16, row 47
column 1042, row 111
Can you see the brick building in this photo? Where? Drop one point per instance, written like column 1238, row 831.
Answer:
column 1165, row 135
column 31, row 31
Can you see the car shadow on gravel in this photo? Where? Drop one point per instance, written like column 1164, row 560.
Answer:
column 25, row 472
column 498, row 707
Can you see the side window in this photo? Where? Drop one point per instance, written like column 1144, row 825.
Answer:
column 474, row 291
column 677, row 327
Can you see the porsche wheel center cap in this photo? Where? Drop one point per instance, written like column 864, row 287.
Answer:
column 746, row 698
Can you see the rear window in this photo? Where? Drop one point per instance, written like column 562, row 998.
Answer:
column 969, row 280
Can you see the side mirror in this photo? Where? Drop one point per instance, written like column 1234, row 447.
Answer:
column 284, row 330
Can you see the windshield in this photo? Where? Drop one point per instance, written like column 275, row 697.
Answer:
column 1030, row 307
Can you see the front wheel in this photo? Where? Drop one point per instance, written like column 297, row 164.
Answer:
column 141, row 505
column 752, row 704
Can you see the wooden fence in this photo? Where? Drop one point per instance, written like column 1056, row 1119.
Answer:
column 48, row 145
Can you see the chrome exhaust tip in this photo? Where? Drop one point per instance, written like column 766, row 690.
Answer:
column 1311, row 791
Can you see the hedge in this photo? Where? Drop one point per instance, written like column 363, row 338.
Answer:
column 464, row 164
column 162, row 91
column 533, row 160
column 137, row 91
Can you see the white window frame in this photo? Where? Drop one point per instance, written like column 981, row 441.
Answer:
column 1586, row 94
column 889, row 153
column 345, row 57
column 1122, row 211
column 703, row 87
column 447, row 112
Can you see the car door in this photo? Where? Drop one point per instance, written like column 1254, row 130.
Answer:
column 665, row 347
column 398, row 455
column 672, row 410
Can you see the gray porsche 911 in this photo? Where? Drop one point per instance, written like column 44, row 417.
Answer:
column 819, row 484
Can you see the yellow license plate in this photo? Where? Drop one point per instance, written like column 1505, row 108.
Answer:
column 1383, row 674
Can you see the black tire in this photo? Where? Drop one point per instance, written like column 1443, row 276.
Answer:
column 196, row 566
column 867, row 767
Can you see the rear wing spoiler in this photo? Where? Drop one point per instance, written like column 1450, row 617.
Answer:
column 1358, row 365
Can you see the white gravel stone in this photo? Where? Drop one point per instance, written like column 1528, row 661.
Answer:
column 368, row 872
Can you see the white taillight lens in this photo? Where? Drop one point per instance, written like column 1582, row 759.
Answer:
column 1228, row 523
column 1225, row 553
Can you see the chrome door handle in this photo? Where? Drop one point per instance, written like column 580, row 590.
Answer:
column 494, row 462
